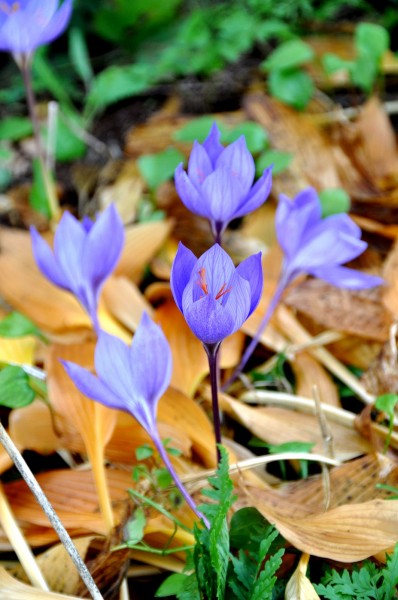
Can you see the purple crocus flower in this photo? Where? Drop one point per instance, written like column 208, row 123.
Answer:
column 215, row 297
column 219, row 183
column 312, row 246
column 133, row 379
column 317, row 246
column 85, row 254
column 27, row 24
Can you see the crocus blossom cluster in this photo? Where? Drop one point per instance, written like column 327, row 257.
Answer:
column 215, row 297
column 219, row 182
column 27, row 24
column 85, row 254
column 133, row 379
column 317, row 246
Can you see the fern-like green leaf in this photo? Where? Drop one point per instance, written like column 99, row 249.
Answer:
column 390, row 577
column 266, row 579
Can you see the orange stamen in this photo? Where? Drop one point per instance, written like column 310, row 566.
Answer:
column 9, row 9
column 223, row 291
column 202, row 281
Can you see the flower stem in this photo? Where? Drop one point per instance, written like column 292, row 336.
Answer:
column 165, row 457
column 24, row 64
column 212, row 353
column 251, row 347
column 63, row 535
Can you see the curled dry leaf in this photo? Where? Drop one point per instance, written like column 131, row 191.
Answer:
column 299, row 587
column 12, row 589
column 125, row 191
column 125, row 301
column 308, row 372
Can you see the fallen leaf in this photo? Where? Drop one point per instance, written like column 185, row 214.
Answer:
column 299, row 587
column 12, row 589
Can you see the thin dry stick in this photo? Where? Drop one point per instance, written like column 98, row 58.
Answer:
column 20, row 545
column 327, row 438
column 63, row 535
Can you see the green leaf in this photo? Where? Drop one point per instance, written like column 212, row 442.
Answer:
column 372, row 40
column 197, row 129
column 38, row 195
column 49, row 78
column 334, row 201
column 15, row 128
column 68, row 146
column 79, row 55
column 390, row 575
column 16, row 325
column 116, row 83
column 248, row 527
column 172, row 586
column 163, row 477
column 280, row 161
column 157, row 168
column 332, row 63
column 5, row 178
column 255, row 135
column 15, row 391
column 143, row 452
column 387, row 403
column 266, row 578
column 289, row 55
column 135, row 527
column 294, row 87
column 364, row 72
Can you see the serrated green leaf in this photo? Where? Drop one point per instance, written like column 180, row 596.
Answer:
column 247, row 528
column 157, row 168
column 172, row 586
column 143, row 452
column 16, row 325
column 390, row 576
column 15, row 128
column 334, row 201
column 15, row 391
column 294, row 87
column 289, row 55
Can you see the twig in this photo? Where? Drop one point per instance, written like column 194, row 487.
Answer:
column 63, row 535
column 327, row 438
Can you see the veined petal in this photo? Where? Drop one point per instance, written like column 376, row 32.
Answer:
column 237, row 159
column 212, row 144
column 69, row 242
column 257, row 195
column 46, row 261
column 102, row 247
column 209, row 320
column 217, row 268
column 199, row 165
column 347, row 278
column 294, row 218
column 329, row 247
column 251, row 270
column 112, row 363
column 89, row 385
column 188, row 193
column 58, row 23
column 150, row 364
column 181, row 270
column 238, row 301
column 222, row 195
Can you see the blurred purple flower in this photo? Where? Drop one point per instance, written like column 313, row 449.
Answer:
column 317, row 246
column 215, row 297
column 133, row 379
column 219, row 182
column 85, row 254
column 27, row 24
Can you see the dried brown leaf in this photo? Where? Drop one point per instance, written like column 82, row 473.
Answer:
column 299, row 587
column 308, row 372
column 12, row 589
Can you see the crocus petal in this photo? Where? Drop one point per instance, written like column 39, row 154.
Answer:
column 46, row 262
column 181, row 270
column 112, row 364
column 89, row 385
column 238, row 301
column 347, row 278
column 212, row 144
column 199, row 165
column 222, row 195
column 68, row 249
column 150, row 364
column 217, row 268
column 58, row 23
column 209, row 321
column 238, row 161
column 102, row 248
column 257, row 196
column 188, row 193
column 251, row 270
column 294, row 218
